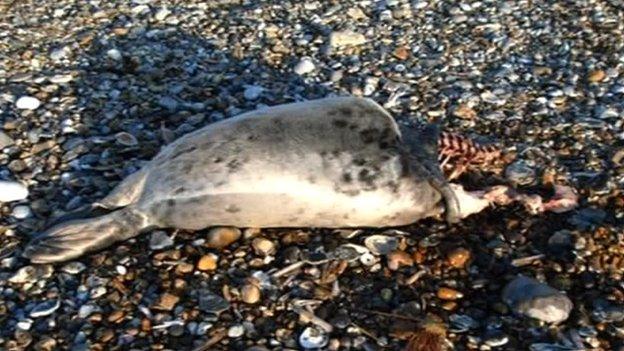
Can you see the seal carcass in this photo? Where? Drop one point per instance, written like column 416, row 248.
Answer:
column 334, row 162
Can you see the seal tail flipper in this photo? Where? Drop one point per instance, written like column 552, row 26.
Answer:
column 126, row 192
column 72, row 239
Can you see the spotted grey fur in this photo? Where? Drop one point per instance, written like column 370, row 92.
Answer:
column 334, row 162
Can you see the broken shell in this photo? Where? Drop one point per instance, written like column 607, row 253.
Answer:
column 381, row 244
column 313, row 338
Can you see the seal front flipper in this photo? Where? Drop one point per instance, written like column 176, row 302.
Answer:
column 424, row 146
column 72, row 239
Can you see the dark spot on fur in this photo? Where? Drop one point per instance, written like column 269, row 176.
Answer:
column 393, row 186
column 346, row 177
column 179, row 190
column 335, row 153
column 359, row 161
column 234, row 165
column 340, row 123
column 366, row 176
column 345, row 111
column 183, row 151
column 232, row 209
column 345, row 216
column 311, row 179
column 218, row 160
column 369, row 135
column 353, row 126
column 251, row 137
column 171, row 203
column 186, row 167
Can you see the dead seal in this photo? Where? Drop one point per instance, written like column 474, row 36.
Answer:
column 334, row 163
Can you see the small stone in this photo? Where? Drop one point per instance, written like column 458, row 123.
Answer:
column 45, row 344
column 520, row 173
column 207, row 262
column 126, row 139
column 21, row 212
column 27, row 103
column 313, row 338
column 236, row 331
column 17, row 166
column 30, row 274
column 74, row 267
column 464, row 111
column 402, row 53
column 114, row 54
column 60, row 53
column 250, row 293
column 253, row 92
column 397, row 259
column 86, row 310
column 339, row 39
column 263, row 246
column 220, row 237
column 381, row 244
column 449, row 294
column 458, row 257
column 116, row 316
column 162, row 14
column 168, row 102
column 184, row 268
column 596, row 76
column 356, row 13
column 5, row 141
column 12, row 191
column 160, row 240
column 167, row 301
column 531, row 298
column 304, row 66
column 212, row 303
column 45, row 308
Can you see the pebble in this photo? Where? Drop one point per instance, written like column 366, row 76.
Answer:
column 313, row 338
column 398, row 259
column 449, row 294
column 73, row 267
column 381, row 244
column 207, row 262
column 520, row 173
column 167, row 301
column 45, row 308
column 21, row 212
column 45, row 344
column 531, row 298
column 339, row 39
column 304, row 66
column 253, row 92
column 250, row 293
column 160, row 240
column 236, row 331
column 458, row 257
column 114, row 54
column 263, row 246
column 5, row 140
column 12, row 191
column 126, row 139
column 27, row 103
column 220, row 237
column 596, row 76
column 29, row 274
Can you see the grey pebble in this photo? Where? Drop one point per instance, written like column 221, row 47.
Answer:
column 531, row 298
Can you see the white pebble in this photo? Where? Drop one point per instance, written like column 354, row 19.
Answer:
column 21, row 212
column 122, row 270
column 27, row 103
column 162, row 14
column 253, row 92
column 236, row 331
column 114, row 54
column 12, row 191
column 304, row 66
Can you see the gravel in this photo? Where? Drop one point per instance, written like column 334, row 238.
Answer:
column 89, row 93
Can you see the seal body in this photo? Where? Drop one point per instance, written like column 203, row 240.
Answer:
column 333, row 162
